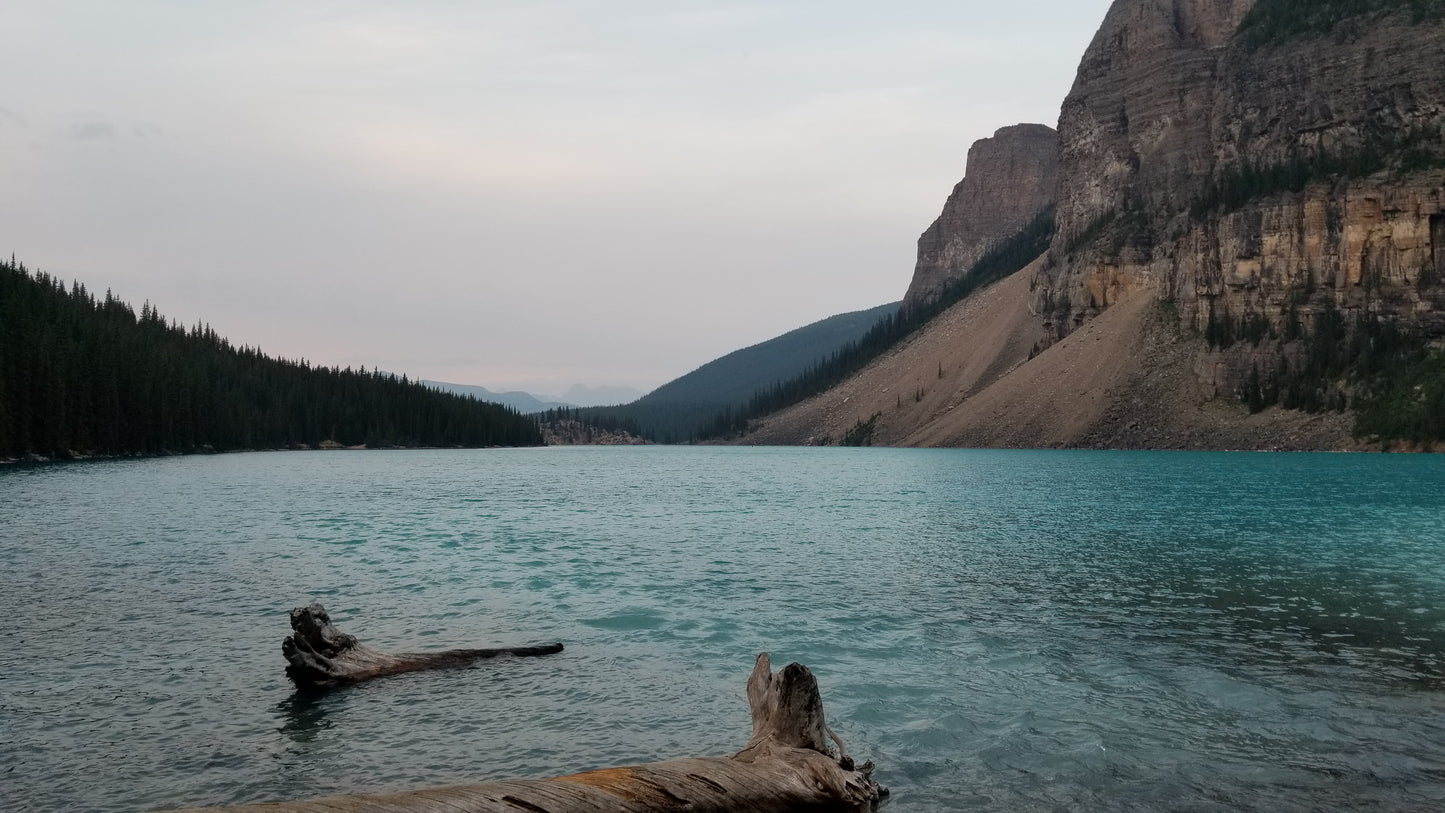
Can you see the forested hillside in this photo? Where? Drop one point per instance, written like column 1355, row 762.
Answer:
column 679, row 410
column 85, row 375
column 734, row 378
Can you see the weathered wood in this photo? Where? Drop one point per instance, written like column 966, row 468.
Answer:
column 787, row 765
column 321, row 655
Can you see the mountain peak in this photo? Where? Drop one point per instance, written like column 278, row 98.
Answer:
column 1009, row 178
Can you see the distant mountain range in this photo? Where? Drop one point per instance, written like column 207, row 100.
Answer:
column 602, row 395
column 524, row 402
column 578, row 395
column 674, row 412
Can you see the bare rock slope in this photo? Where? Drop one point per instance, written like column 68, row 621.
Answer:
column 1127, row 380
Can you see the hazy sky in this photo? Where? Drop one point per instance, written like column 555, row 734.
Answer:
column 511, row 194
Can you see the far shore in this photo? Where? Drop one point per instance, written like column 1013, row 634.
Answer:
column 324, row 446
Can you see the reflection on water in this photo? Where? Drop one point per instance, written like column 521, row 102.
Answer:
column 303, row 715
column 996, row 630
column 1286, row 608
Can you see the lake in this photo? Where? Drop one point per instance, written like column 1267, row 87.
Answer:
column 997, row 630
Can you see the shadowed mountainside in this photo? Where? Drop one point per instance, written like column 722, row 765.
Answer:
column 676, row 411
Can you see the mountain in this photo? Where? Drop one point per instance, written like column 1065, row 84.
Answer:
column 1235, row 156
column 678, row 411
column 585, row 396
column 734, row 377
column 523, row 402
column 1273, row 171
column 1008, row 179
column 578, row 395
column 1249, row 250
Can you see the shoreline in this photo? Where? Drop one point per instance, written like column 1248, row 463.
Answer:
column 83, row 457
column 1363, row 448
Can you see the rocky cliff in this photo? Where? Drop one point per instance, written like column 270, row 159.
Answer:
column 1253, row 168
column 1250, row 212
column 1007, row 180
column 568, row 432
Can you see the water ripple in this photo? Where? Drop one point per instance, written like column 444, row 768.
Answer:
column 997, row 630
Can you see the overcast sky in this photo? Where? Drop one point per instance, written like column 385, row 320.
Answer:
column 510, row 194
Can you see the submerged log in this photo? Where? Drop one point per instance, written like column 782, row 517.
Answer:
column 786, row 766
column 320, row 655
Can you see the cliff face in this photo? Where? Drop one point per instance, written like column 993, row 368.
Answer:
column 1246, row 180
column 575, row 433
column 1250, row 211
column 1136, row 127
column 1370, row 243
column 1008, row 179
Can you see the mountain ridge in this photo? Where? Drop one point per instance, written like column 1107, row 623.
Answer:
column 680, row 410
column 734, row 377
column 1249, row 252
column 1008, row 179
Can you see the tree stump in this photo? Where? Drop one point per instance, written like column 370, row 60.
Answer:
column 787, row 766
column 320, row 655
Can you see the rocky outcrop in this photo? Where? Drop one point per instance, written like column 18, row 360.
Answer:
column 569, row 432
column 1249, row 191
column 1008, row 179
column 1135, row 130
column 1248, row 181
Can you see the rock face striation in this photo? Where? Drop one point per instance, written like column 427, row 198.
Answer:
column 1248, row 192
column 1008, row 179
column 1252, row 175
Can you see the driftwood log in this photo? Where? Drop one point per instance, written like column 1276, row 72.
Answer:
column 320, row 655
column 787, row 765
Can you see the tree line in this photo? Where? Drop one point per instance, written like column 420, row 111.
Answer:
column 1403, row 151
column 597, row 418
column 1274, row 22
column 1386, row 371
column 81, row 374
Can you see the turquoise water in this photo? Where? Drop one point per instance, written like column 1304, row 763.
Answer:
column 998, row 631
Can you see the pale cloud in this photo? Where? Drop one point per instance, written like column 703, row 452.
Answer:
column 93, row 131
column 506, row 193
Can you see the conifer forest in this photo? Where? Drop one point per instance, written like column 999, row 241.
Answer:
column 82, row 375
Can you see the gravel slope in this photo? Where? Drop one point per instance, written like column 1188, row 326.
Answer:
column 1124, row 380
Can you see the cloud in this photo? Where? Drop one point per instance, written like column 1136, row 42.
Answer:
column 522, row 193
column 93, row 131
